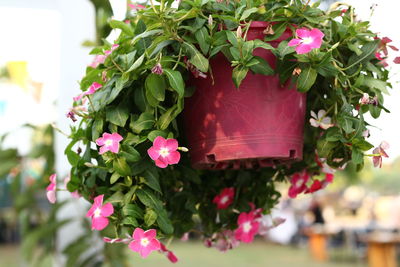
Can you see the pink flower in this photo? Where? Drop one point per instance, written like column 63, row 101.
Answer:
column 99, row 213
column 164, row 152
column 315, row 186
column 170, row 255
column 185, row 237
column 380, row 152
column 52, row 189
column 343, row 11
column 90, row 91
column 309, row 40
column 320, row 120
column 157, row 69
column 364, row 100
column 379, row 56
column 226, row 240
column 298, row 182
column 225, row 198
column 109, row 142
column 248, row 227
column 71, row 115
column 396, row 60
column 383, row 45
column 98, row 59
column 74, row 194
column 144, row 242
column 136, row 6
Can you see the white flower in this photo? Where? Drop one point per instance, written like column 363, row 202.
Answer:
column 320, row 120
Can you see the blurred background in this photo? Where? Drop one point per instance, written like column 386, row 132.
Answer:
column 44, row 49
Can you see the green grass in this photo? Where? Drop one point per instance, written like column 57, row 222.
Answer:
column 194, row 254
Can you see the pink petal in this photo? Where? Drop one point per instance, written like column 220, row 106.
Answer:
column 316, row 43
column 98, row 201
column 114, row 147
column 303, row 49
column 396, row 60
column 114, row 46
column 100, row 141
column 138, row 234
column 161, row 163
column 51, row 196
column 242, row 218
column 294, row 42
column 171, row 256
column 159, row 142
column 107, row 210
column 75, row 194
column 314, row 115
column 78, row 97
column 51, row 187
column 173, row 157
column 153, row 153
column 317, row 34
column 150, row 234
column 103, row 149
column 303, row 33
column 377, row 160
column 99, row 223
column 135, row 246
column 314, row 123
column 384, row 145
column 66, row 181
column 116, row 137
column 172, row 144
column 321, row 113
column 154, row 244
column 145, row 251
column 91, row 210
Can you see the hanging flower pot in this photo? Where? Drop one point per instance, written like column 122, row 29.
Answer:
column 245, row 109
column 258, row 124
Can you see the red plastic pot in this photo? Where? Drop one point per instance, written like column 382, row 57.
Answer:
column 259, row 124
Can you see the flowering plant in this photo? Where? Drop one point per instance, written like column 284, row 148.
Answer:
column 129, row 148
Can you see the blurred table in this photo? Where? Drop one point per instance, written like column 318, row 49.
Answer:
column 318, row 238
column 381, row 248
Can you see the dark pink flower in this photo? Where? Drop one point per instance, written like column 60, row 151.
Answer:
column 307, row 41
column 109, row 142
column 396, row 60
column 52, row 189
column 71, row 115
column 225, row 198
column 144, row 242
column 157, row 69
column 113, row 47
column 315, row 186
column 169, row 254
column 248, row 227
column 91, row 90
column 379, row 153
column 99, row 213
column 298, row 181
column 98, row 59
column 164, row 152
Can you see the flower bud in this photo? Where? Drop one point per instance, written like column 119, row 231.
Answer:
column 239, row 32
column 210, row 20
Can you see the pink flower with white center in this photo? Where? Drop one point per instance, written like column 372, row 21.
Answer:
column 52, row 189
column 169, row 254
column 307, row 41
column 74, row 194
column 99, row 213
column 98, row 59
column 144, row 242
column 109, row 142
column 380, row 152
column 164, row 152
column 298, row 182
column 225, row 198
column 320, row 120
column 90, row 91
column 248, row 227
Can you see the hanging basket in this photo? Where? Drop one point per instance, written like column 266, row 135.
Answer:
column 259, row 124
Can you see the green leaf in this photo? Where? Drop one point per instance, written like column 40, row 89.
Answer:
column 156, row 85
column 150, row 217
column 368, row 51
column 131, row 154
column 117, row 115
column 97, row 129
column 164, row 222
column 196, row 58
column 279, row 29
column 125, row 28
column 202, row 37
column 130, row 221
column 144, row 122
column 120, row 166
column 136, row 64
column 133, row 210
column 119, row 85
column 357, row 156
column 247, row 13
column 346, row 124
column 260, row 44
column 149, row 199
column 176, row 81
column 283, row 49
column 152, row 179
column 153, row 134
column 238, row 75
column 114, row 177
column 306, row 79
column 146, row 34
column 262, row 67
